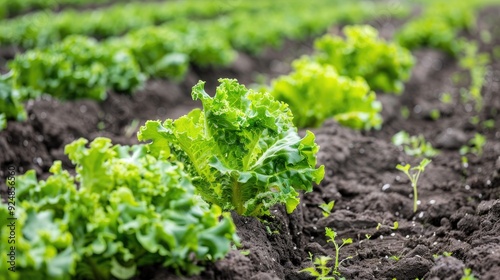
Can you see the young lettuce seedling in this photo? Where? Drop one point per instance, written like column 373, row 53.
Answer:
column 396, row 226
column 327, row 208
column 468, row 275
column 415, row 146
column 413, row 174
column 320, row 270
column 330, row 233
column 475, row 146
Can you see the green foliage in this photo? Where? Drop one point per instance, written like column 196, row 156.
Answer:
column 438, row 27
column 395, row 258
column 129, row 210
column 10, row 101
column 468, row 275
column 446, row 98
column 78, row 67
column 42, row 29
column 395, row 225
column 414, row 145
column 476, row 63
column 152, row 39
column 3, row 121
column 413, row 174
column 242, row 149
column 320, row 270
column 331, row 234
column 316, row 92
column 327, row 208
column 475, row 145
column 405, row 112
column 444, row 254
column 435, row 114
column 489, row 124
column 384, row 66
column 201, row 49
column 9, row 8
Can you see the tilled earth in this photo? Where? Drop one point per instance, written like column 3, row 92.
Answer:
column 459, row 209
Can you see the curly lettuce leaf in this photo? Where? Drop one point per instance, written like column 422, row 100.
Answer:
column 242, row 149
column 384, row 65
column 316, row 92
column 129, row 210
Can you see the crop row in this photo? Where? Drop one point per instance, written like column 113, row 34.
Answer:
column 44, row 28
column 163, row 203
column 343, row 72
column 10, row 8
column 81, row 67
column 167, row 202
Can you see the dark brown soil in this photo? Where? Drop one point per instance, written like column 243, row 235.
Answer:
column 460, row 206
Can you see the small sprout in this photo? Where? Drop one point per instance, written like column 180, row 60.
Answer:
column 396, row 225
column 476, row 65
column 446, row 98
column 435, row 114
column 101, row 126
column 405, row 112
column 327, row 208
column 378, row 226
column 475, row 145
column 468, row 275
column 445, row 254
column 414, row 145
column 489, row 124
column 368, row 236
column 268, row 229
column 245, row 252
column 320, row 270
column 474, row 120
column 330, row 233
column 465, row 160
column 414, row 176
column 485, row 36
column 395, row 258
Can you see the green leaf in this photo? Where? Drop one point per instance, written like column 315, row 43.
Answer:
column 122, row 272
column 311, row 270
column 405, row 168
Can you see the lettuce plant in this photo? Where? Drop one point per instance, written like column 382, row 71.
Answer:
column 78, row 67
column 316, row 92
column 130, row 210
column 242, row 150
column 438, row 27
column 384, row 65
